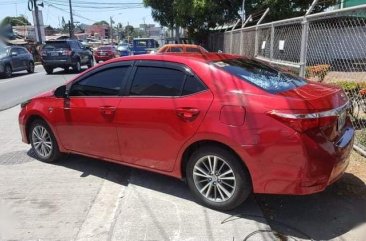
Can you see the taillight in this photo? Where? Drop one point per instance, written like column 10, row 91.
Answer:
column 303, row 122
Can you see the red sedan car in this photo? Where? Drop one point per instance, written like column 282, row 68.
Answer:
column 227, row 124
column 105, row 53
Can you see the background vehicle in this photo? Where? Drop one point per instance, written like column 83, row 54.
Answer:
column 144, row 46
column 232, row 124
column 182, row 48
column 104, row 53
column 124, row 49
column 65, row 54
column 15, row 58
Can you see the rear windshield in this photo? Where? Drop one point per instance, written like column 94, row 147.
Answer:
column 56, row 45
column 261, row 75
column 105, row 48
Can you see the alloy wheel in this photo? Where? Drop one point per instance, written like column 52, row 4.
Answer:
column 42, row 142
column 214, row 178
column 8, row 71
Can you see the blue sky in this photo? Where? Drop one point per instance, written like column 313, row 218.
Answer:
column 54, row 10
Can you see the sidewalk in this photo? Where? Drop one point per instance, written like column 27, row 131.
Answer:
column 81, row 198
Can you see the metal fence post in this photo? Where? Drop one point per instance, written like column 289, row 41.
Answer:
column 232, row 36
column 271, row 47
column 256, row 32
column 304, row 43
column 242, row 34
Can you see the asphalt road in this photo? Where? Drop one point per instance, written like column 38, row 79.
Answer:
column 23, row 86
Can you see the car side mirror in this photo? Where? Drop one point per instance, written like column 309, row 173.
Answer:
column 13, row 54
column 60, row 92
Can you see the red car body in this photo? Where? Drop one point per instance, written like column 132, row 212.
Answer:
column 289, row 141
column 105, row 53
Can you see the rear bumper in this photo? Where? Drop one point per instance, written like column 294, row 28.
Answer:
column 102, row 58
column 58, row 63
column 306, row 167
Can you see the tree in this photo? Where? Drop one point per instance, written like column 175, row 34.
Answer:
column 282, row 9
column 198, row 16
column 103, row 22
column 14, row 21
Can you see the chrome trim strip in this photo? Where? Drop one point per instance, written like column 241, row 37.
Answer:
column 334, row 112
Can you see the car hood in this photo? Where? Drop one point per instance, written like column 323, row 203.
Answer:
column 46, row 94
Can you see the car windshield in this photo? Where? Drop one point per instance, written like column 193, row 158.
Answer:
column 56, row 46
column 146, row 43
column 261, row 75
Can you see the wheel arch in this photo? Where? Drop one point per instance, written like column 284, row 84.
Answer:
column 207, row 142
column 37, row 116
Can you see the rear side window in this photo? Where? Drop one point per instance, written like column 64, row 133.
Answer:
column 175, row 49
column 104, row 83
column 192, row 50
column 155, row 81
column 56, row 46
column 192, row 85
column 261, row 75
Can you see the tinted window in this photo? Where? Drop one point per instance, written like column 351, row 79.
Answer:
column 192, row 85
column 104, row 83
column 192, row 50
column 175, row 49
column 56, row 45
column 260, row 74
column 105, row 48
column 154, row 81
column 22, row 51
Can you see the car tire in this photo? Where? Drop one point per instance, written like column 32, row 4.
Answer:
column 8, row 72
column 77, row 67
column 30, row 68
column 91, row 63
column 43, row 142
column 48, row 70
column 218, row 190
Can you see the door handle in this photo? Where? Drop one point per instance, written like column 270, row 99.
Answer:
column 107, row 110
column 187, row 113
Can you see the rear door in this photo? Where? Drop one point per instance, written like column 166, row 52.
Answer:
column 164, row 106
column 87, row 120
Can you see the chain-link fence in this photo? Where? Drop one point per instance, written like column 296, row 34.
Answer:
column 327, row 47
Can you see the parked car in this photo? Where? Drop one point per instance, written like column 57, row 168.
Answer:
column 124, row 49
column 227, row 124
column 182, row 48
column 144, row 46
column 65, row 54
column 15, row 58
column 104, row 53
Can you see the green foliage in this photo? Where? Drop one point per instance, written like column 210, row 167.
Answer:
column 198, row 16
column 350, row 86
column 361, row 137
column 103, row 22
column 15, row 21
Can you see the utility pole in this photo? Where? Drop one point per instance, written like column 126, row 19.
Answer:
column 111, row 31
column 38, row 27
column 71, row 21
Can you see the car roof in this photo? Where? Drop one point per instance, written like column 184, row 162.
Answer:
column 206, row 57
column 182, row 45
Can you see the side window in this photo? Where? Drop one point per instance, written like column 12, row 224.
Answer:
column 22, row 51
column 193, row 85
column 104, row 83
column 155, row 81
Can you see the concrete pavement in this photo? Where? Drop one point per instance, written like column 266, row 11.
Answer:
column 81, row 198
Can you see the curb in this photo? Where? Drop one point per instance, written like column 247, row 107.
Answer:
column 359, row 150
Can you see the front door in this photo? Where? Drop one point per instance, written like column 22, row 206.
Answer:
column 88, row 125
column 162, row 110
